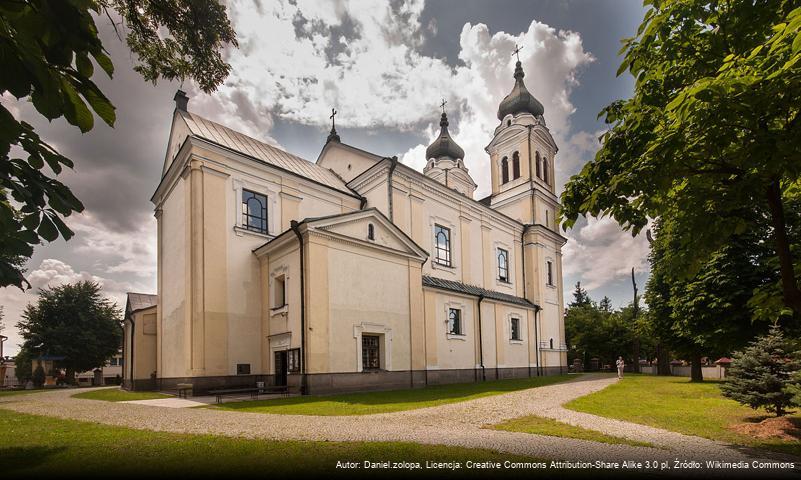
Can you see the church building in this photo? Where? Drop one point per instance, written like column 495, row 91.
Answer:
column 354, row 272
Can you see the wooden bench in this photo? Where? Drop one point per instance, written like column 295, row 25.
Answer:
column 183, row 388
column 275, row 390
column 219, row 394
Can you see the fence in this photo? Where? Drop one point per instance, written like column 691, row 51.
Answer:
column 711, row 372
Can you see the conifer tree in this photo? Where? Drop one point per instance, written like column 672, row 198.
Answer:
column 765, row 374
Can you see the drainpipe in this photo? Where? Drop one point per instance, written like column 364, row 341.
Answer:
column 393, row 162
column 295, row 226
column 537, row 339
column 481, row 341
column 133, row 337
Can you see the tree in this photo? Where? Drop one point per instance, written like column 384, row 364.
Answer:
column 765, row 373
column 605, row 305
column 713, row 126
column 38, row 376
column 50, row 49
column 75, row 322
column 708, row 313
column 580, row 297
column 23, row 365
column 592, row 332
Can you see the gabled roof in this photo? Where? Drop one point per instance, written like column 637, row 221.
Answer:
column 322, row 223
column 472, row 290
column 140, row 301
column 225, row 137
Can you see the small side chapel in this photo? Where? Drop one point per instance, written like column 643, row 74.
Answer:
column 355, row 271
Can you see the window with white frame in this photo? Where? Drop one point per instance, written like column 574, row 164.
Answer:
column 455, row 321
column 442, row 245
column 503, row 265
column 549, row 272
column 514, row 328
column 279, row 291
column 254, row 211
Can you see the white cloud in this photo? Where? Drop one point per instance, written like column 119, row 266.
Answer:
column 601, row 252
column 299, row 59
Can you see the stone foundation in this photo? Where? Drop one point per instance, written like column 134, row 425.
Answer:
column 329, row 383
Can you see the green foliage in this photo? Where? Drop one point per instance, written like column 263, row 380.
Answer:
column 38, row 377
column 765, row 374
column 713, row 127
column 23, row 366
column 72, row 321
column 49, row 49
column 707, row 313
column 596, row 331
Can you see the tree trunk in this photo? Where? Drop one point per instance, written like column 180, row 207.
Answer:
column 636, row 367
column 69, row 376
column 662, row 360
column 696, row 374
column 790, row 290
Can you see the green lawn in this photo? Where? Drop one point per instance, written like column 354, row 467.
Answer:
column 33, row 445
column 115, row 394
column 552, row 428
column 676, row 404
column 389, row 401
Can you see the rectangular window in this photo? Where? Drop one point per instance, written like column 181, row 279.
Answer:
column 442, row 245
column 515, row 327
column 503, row 265
column 370, row 357
column 279, row 291
column 243, row 369
column 455, row 321
column 550, row 272
column 254, row 211
column 293, row 360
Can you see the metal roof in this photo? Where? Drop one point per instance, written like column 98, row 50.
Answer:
column 138, row 301
column 239, row 142
column 475, row 291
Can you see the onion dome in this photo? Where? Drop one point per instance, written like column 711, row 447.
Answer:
column 444, row 146
column 520, row 100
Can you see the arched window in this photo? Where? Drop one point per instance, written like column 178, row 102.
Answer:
column 370, row 232
column 504, row 170
column 539, row 165
column 545, row 170
column 254, row 211
column 508, row 123
column 516, row 165
column 503, row 265
column 552, row 344
column 442, row 245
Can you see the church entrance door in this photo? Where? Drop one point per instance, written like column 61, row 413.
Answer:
column 280, row 368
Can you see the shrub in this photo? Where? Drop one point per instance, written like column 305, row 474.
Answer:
column 765, row 374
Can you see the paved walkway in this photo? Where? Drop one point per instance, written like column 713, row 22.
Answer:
column 457, row 424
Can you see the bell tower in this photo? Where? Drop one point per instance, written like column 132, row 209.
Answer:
column 522, row 155
column 445, row 161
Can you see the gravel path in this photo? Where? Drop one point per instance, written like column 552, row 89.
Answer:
column 458, row 424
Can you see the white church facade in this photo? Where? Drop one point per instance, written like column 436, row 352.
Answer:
column 356, row 271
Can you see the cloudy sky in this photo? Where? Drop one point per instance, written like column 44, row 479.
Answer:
column 385, row 67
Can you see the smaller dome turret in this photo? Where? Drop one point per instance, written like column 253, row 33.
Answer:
column 520, row 100
column 444, row 146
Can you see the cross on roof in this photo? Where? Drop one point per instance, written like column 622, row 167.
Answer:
column 333, row 114
column 442, row 105
column 517, row 52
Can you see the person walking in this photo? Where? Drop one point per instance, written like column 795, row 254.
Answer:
column 620, row 366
